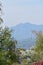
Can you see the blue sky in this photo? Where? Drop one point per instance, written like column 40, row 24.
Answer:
column 22, row 11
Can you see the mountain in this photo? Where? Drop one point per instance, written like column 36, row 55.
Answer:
column 23, row 33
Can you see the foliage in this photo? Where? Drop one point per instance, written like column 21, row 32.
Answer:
column 7, row 46
column 39, row 42
column 38, row 56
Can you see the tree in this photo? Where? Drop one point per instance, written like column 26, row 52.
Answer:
column 1, row 20
column 7, row 46
column 39, row 42
column 39, row 46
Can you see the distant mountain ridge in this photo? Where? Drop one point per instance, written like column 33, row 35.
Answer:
column 21, row 32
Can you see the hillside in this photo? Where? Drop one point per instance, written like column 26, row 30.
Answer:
column 23, row 33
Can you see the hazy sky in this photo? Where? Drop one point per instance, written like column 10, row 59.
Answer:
column 22, row 11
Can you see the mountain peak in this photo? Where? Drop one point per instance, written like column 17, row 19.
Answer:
column 23, row 31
